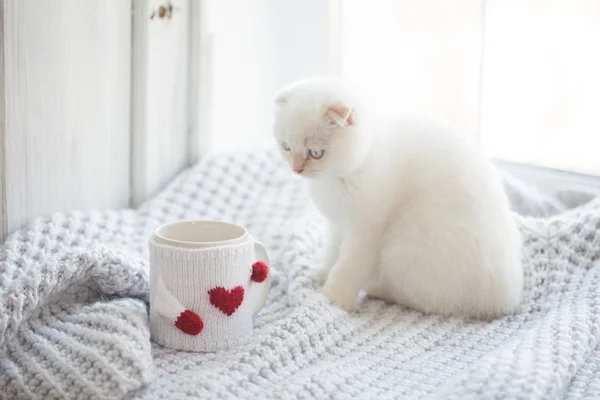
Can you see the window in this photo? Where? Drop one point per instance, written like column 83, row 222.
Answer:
column 522, row 76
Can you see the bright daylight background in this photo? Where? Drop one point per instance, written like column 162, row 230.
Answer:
column 521, row 75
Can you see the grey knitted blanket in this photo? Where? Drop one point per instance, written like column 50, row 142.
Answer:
column 73, row 313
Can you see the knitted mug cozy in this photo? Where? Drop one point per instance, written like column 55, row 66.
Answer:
column 203, row 299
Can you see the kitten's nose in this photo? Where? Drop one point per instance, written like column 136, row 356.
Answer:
column 298, row 170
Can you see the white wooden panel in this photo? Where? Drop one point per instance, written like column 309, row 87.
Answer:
column 541, row 85
column 160, row 92
column 419, row 57
column 67, row 84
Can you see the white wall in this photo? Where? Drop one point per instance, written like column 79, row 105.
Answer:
column 420, row 57
column 256, row 47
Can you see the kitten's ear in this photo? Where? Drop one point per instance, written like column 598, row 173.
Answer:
column 340, row 114
column 280, row 100
column 282, row 97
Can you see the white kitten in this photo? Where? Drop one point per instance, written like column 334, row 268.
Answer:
column 418, row 215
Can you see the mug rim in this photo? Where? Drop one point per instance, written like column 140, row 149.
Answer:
column 169, row 240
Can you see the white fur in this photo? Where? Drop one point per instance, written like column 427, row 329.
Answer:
column 418, row 215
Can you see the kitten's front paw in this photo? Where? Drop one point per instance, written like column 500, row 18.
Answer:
column 340, row 297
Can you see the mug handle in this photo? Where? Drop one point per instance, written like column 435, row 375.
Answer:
column 260, row 290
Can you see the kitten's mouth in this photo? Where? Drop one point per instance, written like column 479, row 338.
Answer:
column 306, row 174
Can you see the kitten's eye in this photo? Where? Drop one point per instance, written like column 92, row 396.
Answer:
column 285, row 146
column 316, row 154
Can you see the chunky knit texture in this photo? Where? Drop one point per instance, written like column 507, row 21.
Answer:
column 73, row 289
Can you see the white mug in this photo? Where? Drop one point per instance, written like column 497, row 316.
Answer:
column 207, row 280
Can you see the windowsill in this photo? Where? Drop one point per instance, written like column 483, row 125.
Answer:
column 548, row 179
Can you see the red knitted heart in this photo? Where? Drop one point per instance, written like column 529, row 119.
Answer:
column 260, row 271
column 226, row 300
column 189, row 322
